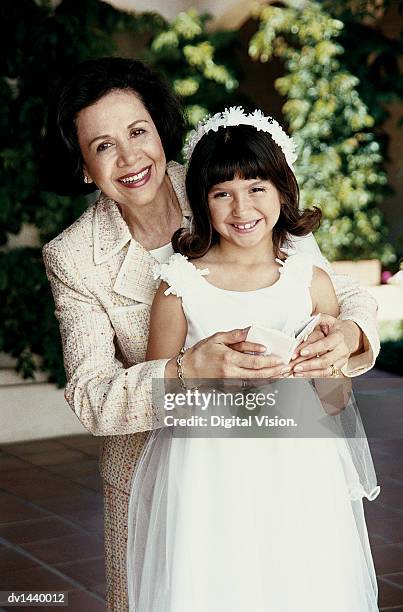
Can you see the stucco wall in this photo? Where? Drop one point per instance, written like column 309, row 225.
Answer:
column 228, row 10
column 34, row 411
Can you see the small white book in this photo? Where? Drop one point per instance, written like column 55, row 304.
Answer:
column 277, row 342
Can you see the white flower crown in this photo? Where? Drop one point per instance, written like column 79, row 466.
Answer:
column 235, row 115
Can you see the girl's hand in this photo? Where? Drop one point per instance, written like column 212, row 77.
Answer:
column 222, row 356
column 330, row 344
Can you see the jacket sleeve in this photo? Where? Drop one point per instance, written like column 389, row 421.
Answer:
column 356, row 304
column 108, row 398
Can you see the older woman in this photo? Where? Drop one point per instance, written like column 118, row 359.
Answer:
column 116, row 126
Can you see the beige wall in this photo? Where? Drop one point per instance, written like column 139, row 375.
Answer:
column 32, row 411
column 166, row 9
column 223, row 8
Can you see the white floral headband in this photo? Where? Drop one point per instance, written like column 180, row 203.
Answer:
column 235, row 115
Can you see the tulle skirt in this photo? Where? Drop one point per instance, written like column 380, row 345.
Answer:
column 248, row 524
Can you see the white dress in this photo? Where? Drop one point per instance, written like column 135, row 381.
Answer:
column 249, row 524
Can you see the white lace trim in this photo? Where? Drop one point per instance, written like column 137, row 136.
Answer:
column 179, row 273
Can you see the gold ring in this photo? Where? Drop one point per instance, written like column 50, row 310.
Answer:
column 317, row 355
column 334, row 371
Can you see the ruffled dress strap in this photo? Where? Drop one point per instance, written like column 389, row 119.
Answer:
column 180, row 275
column 298, row 268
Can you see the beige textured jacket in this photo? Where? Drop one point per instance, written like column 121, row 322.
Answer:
column 103, row 287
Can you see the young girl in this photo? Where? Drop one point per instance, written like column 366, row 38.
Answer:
column 246, row 524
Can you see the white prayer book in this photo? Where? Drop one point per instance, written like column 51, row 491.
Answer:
column 279, row 343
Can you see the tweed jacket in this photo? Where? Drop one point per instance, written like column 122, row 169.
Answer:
column 103, row 287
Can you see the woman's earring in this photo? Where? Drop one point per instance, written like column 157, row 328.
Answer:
column 86, row 179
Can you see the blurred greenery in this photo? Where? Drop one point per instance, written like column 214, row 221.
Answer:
column 340, row 163
column 390, row 357
column 39, row 43
column 375, row 60
column 390, row 331
column 331, row 113
column 199, row 64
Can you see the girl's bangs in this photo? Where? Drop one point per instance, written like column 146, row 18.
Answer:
column 229, row 160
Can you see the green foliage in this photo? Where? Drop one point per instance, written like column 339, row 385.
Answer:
column 375, row 60
column 39, row 44
column 339, row 165
column 199, row 65
column 390, row 330
column 390, row 357
column 29, row 328
column 340, row 161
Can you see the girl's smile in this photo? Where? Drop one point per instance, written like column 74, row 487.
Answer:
column 246, row 228
column 244, row 211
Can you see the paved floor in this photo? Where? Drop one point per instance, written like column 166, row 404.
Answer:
column 51, row 521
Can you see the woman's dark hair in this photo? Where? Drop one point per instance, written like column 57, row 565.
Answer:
column 248, row 153
column 61, row 166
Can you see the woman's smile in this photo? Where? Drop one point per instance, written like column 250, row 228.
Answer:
column 122, row 150
column 133, row 180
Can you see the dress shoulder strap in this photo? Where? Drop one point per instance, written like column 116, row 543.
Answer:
column 180, row 274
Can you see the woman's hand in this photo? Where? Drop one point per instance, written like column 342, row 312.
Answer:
column 223, row 355
column 330, row 344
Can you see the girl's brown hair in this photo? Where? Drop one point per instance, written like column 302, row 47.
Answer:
column 248, row 153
